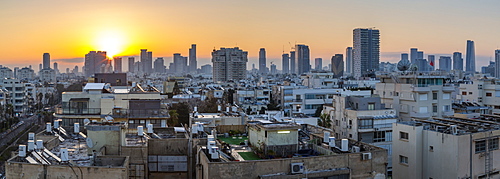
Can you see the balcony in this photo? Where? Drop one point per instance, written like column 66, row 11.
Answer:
column 420, row 115
column 140, row 113
column 448, row 88
column 418, row 89
column 78, row 111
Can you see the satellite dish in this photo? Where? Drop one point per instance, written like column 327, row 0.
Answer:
column 86, row 121
column 403, row 65
column 90, row 144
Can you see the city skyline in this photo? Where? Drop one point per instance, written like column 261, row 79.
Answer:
column 68, row 32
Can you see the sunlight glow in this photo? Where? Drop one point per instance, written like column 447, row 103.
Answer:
column 111, row 42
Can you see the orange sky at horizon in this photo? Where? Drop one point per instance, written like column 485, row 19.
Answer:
column 69, row 30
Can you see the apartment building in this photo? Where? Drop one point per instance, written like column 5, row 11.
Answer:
column 416, row 95
column 453, row 147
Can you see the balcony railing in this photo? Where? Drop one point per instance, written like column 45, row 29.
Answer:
column 140, row 113
column 78, row 111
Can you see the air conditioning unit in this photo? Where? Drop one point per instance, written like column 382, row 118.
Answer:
column 355, row 149
column 297, row 168
column 367, row 156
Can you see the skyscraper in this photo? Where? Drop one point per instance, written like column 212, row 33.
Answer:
column 193, row 64
column 159, row 65
column 404, row 56
column 180, row 64
column 318, row 63
column 413, row 55
column 229, row 64
column 348, row 60
column 366, row 51
column 420, row 54
column 338, row 65
column 273, row 69
column 497, row 63
column 131, row 62
column 432, row 62
column 285, row 63
column 93, row 62
column 458, row 62
column 46, row 60
column 262, row 61
column 56, row 67
column 445, row 63
column 302, row 62
column 146, row 61
column 118, row 64
column 292, row 62
column 470, row 57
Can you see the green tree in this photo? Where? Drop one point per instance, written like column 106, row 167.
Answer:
column 208, row 106
column 174, row 118
column 325, row 121
column 317, row 113
column 183, row 109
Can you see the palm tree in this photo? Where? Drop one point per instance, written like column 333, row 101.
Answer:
column 324, row 120
column 174, row 118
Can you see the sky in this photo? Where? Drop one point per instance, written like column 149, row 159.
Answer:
column 70, row 29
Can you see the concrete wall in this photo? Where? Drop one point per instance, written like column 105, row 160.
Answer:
column 15, row 170
column 253, row 169
column 109, row 137
column 227, row 128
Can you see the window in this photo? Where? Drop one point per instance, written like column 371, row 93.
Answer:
column 464, row 92
column 434, row 96
column 446, row 95
column 481, row 145
column 446, row 108
column 365, row 124
column 371, row 106
column 403, row 135
column 434, row 108
column 470, row 92
column 489, row 94
column 423, row 97
column 310, row 96
column 379, row 136
column 431, row 148
column 403, row 159
column 422, row 109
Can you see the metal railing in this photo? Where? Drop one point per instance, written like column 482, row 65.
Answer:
column 77, row 111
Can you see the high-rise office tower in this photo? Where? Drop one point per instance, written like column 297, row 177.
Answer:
column 420, row 54
column 422, row 64
column 497, row 63
column 262, row 61
column 432, row 62
column 366, row 51
column 146, row 61
column 75, row 70
column 413, row 55
column 292, row 62
column 404, row 56
column 131, row 62
column 94, row 60
column 302, row 62
column 180, row 64
column 56, row 67
column 193, row 64
column 285, row 63
column 318, row 63
column 40, row 67
column 46, row 60
column 118, row 64
column 273, row 69
column 445, row 63
column 470, row 57
column 159, row 65
column 229, row 64
column 348, row 60
column 206, row 69
column 338, row 65
column 458, row 62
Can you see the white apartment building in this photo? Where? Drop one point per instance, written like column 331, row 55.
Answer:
column 446, row 148
column 98, row 100
column 48, row 75
column 485, row 92
column 21, row 94
column 6, row 72
column 26, row 74
column 416, row 95
column 363, row 118
column 254, row 98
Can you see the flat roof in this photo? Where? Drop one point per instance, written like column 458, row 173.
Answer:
column 94, row 86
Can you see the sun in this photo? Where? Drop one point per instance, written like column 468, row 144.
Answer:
column 111, row 42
